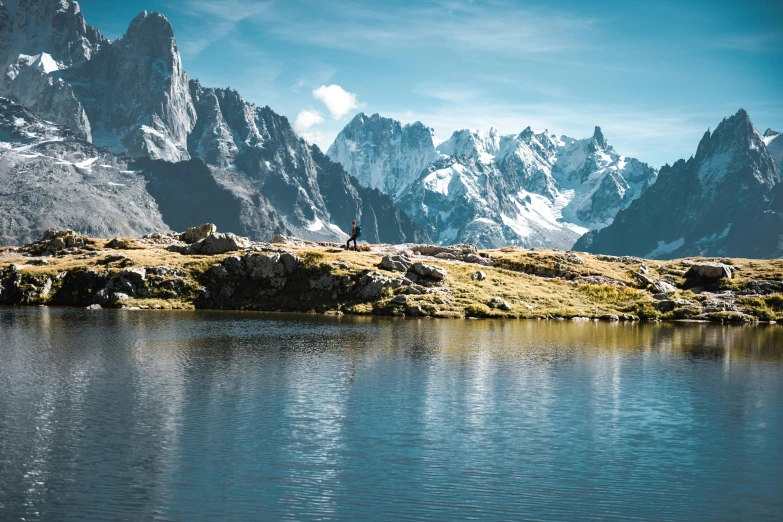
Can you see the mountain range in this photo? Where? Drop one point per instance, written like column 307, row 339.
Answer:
column 529, row 189
column 113, row 138
column 726, row 200
column 81, row 108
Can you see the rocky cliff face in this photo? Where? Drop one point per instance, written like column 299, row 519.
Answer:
column 530, row 189
column 136, row 93
column 133, row 97
column 51, row 178
column 384, row 154
column 724, row 201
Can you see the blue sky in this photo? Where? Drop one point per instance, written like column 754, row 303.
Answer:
column 653, row 75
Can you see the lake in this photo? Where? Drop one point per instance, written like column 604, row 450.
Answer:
column 133, row 415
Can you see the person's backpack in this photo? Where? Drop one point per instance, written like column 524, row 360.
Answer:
column 358, row 231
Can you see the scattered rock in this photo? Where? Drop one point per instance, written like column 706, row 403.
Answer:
column 609, row 317
column 479, row 276
column 94, row 307
column 573, row 258
column 599, row 280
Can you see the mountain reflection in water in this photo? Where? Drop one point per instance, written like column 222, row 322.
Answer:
column 210, row 415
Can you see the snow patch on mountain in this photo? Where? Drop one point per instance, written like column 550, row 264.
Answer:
column 664, row 248
column 529, row 189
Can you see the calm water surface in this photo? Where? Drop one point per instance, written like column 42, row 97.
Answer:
column 118, row 415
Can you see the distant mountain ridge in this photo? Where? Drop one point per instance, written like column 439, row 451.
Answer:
column 727, row 200
column 132, row 97
column 531, row 189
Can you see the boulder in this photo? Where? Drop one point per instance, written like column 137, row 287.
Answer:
column 372, row 285
column 396, row 263
column 431, row 271
column 479, row 276
column 478, row 259
column 610, row 317
column 667, row 305
column 575, row 259
column 709, row 270
column 54, row 234
column 198, row 233
column 218, row 243
column 662, row 287
column 119, row 244
column 399, row 300
column 499, row 302
column 643, row 279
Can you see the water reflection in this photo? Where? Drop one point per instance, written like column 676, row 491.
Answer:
column 246, row 416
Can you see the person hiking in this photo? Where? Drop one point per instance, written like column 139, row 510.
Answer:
column 356, row 232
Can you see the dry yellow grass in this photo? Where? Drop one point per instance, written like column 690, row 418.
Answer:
column 512, row 280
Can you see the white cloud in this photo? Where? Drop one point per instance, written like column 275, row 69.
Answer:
column 306, row 119
column 337, row 100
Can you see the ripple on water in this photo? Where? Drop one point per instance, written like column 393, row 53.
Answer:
column 207, row 415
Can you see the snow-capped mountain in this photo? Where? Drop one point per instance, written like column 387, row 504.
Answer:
column 774, row 144
column 384, row 154
column 530, row 189
column 727, row 200
column 206, row 154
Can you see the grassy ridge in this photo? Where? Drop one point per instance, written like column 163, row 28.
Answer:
column 533, row 283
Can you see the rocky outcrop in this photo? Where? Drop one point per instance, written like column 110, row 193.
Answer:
column 194, row 234
column 398, row 263
column 215, row 243
column 429, row 271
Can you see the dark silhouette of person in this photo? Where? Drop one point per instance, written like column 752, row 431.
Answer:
column 356, row 231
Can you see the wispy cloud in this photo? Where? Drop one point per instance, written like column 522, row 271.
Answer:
column 768, row 42
column 501, row 27
column 232, row 10
column 212, row 21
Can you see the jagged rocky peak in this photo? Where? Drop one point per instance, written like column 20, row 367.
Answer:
column 147, row 25
column 769, row 133
column 383, row 153
column 720, row 202
column 144, row 106
column 734, row 145
column 471, row 144
column 598, row 138
column 55, row 27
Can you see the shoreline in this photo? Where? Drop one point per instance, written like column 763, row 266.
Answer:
column 293, row 314
column 204, row 270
